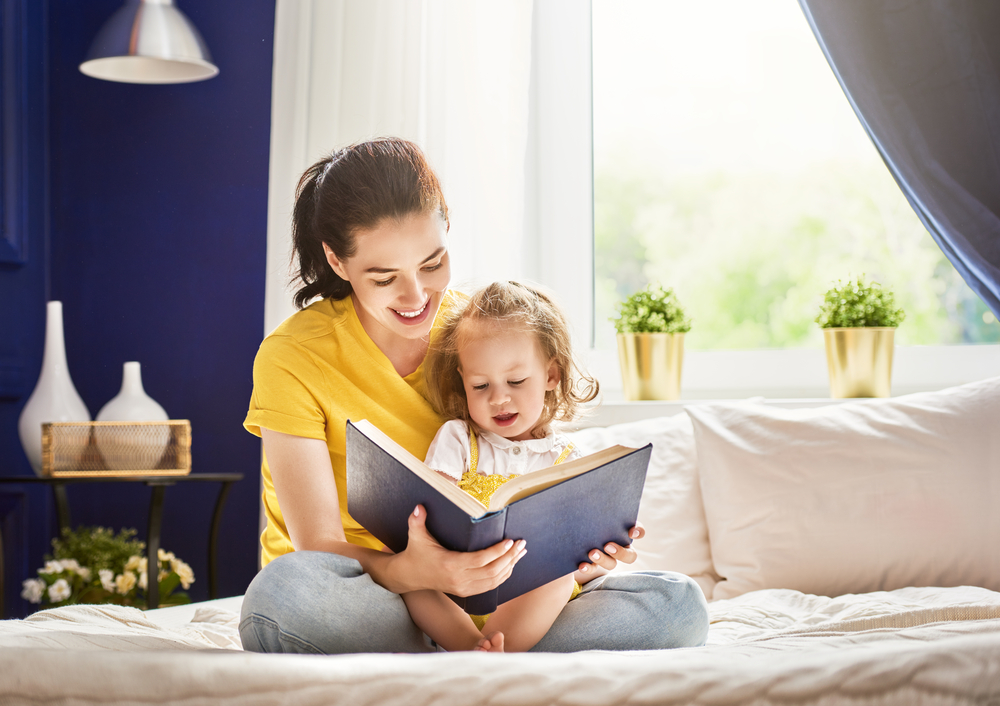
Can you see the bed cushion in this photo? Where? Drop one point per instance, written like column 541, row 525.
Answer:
column 854, row 497
column 671, row 508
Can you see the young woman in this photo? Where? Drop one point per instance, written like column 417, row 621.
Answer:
column 370, row 231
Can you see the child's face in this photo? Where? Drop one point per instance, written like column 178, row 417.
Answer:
column 506, row 377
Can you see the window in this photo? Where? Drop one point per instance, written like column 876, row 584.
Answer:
column 729, row 165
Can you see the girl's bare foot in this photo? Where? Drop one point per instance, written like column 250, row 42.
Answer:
column 491, row 643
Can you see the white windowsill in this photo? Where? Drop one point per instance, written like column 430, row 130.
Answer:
column 787, row 378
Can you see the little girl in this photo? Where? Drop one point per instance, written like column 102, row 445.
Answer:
column 502, row 369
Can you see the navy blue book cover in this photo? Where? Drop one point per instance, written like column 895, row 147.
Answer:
column 560, row 523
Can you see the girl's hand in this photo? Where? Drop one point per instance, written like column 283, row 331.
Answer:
column 603, row 561
column 426, row 564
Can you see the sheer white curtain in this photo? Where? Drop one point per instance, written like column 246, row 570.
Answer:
column 454, row 76
column 496, row 92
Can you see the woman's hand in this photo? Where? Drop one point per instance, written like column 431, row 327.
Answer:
column 426, row 564
column 603, row 561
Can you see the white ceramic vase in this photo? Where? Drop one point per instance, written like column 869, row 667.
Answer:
column 134, row 449
column 54, row 398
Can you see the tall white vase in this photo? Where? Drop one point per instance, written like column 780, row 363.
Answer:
column 130, row 450
column 54, row 398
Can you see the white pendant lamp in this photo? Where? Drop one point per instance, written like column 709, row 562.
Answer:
column 149, row 41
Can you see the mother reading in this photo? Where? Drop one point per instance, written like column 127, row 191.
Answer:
column 370, row 229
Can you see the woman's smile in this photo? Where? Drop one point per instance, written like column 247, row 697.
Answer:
column 413, row 316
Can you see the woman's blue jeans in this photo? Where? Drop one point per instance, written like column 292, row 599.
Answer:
column 321, row 603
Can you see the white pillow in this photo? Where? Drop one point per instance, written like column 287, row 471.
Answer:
column 671, row 509
column 854, row 497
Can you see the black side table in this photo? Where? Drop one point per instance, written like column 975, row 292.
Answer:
column 158, row 484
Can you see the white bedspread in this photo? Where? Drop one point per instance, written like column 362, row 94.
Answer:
column 911, row 646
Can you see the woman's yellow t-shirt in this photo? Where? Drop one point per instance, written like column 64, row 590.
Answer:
column 314, row 372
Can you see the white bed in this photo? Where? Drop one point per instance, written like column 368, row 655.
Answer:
column 852, row 555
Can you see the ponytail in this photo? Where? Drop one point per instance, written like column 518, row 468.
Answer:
column 317, row 277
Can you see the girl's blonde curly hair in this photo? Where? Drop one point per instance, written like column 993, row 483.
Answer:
column 507, row 306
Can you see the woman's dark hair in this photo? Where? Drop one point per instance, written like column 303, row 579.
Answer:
column 354, row 189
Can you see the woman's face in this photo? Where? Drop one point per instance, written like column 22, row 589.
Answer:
column 399, row 273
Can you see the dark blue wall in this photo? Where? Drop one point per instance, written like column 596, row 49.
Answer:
column 24, row 273
column 157, row 214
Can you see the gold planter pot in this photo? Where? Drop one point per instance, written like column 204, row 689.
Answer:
column 859, row 361
column 651, row 365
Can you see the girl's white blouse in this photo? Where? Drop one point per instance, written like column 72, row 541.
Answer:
column 449, row 452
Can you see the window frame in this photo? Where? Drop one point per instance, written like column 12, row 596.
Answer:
column 561, row 198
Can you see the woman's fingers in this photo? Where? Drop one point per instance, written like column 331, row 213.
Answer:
column 602, row 559
column 460, row 573
column 499, row 559
column 612, row 553
column 617, row 552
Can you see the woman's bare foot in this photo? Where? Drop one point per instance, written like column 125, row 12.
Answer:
column 491, row 643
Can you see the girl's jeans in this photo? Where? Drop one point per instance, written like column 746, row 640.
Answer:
column 321, row 603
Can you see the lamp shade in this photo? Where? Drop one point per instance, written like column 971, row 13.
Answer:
column 149, row 41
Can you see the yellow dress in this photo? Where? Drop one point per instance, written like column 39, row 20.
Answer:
column 482, row 487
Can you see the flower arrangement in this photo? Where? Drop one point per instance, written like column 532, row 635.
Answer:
column 652, row 310
column 95, row 565
column 859, row 304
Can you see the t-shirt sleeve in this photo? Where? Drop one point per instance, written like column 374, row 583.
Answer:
column 449, row 452
column 287, row 388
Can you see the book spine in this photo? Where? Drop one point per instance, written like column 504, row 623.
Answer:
column 484, row 532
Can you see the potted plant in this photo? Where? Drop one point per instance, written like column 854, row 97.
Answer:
column 96, row 565
column 651, row 325
column 859, row 320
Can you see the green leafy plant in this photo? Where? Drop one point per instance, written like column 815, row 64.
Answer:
column 96, row 565
column 652, row 310
column 857, row 304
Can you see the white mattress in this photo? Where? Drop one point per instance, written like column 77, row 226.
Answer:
column 911, row 646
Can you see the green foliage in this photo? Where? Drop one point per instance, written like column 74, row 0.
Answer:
column 97, row 547
column 96, row 565
column 750, row 253
column 652, row 310
column 858, row 304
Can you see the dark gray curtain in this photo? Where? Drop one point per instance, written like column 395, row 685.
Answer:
column 923, row 77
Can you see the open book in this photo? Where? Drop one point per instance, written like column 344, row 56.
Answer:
column 561, row 512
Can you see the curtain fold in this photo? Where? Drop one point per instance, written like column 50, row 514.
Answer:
column 923, row 77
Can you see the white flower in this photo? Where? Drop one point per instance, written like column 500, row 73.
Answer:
column 133, row 562
column 125, row 582
column 32, row 590
column 51, row 567
column 165, row 556
column 70, row 565
column 184, row 572
column 59, row 591
column 107, row 580
column 84, row 573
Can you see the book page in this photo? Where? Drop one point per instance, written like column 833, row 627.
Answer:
column 531, row 483
column 459, row 497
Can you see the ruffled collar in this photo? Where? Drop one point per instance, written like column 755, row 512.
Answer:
column 538, row 446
